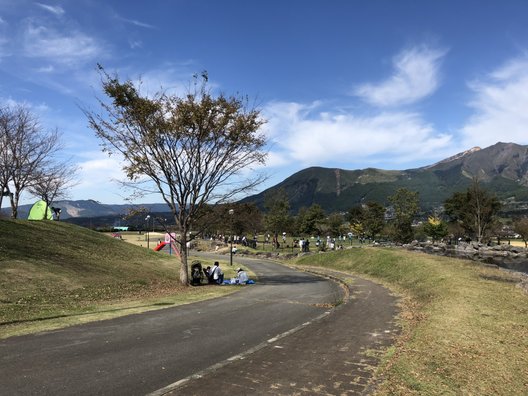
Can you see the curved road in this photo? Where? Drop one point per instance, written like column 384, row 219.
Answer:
column 139, row 354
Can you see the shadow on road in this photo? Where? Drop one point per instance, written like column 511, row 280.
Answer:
column 287, row 279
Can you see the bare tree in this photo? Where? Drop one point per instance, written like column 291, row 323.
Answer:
column 6, row 124
column 28, row 149
column 520, row 226
column 192, row 149
column 52, row 183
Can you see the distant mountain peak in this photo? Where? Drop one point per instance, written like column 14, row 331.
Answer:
column 455, row 157
column 502, row 166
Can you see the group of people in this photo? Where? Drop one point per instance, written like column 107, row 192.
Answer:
column 215, row 275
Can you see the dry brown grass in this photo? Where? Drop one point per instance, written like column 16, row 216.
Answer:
column 465, row 326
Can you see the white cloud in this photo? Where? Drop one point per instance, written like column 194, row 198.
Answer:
column 135, row 44
column 415, row 77
column 136, row 23
column 97, row 176
column 46, row 69
column 39, row 108
column 170, row 78
column 500, row 105
column 67, row 49
column 56, row 10
column 309, row 138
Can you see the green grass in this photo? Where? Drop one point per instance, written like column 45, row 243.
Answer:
column 465, row 326
column 54, row 274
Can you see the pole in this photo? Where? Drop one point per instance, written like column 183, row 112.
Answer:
column 231, row 252
column 147, row 229
column 231, row 212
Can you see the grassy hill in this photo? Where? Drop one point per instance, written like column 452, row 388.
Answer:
column 54, row 269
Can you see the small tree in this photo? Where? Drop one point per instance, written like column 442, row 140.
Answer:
column 520, row 226
column 355, row 217
column 406, row 205
column 334, row 224
column 435, row 228
column 373, row 218
column 193, row 150
column 309, row 220
column 277, row 218
column 475, row 210
column 52, row 183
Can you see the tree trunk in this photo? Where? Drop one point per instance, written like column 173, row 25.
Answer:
column 14, row 204
column 3, row 193
column 184, row 273
column 45, row 215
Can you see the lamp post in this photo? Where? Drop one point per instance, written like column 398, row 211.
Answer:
column 231, row 212
column 147, row 228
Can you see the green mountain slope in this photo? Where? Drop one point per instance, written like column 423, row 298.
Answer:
column 502, row 168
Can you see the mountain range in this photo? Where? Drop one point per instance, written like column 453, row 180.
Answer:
column 502, row 168
column 90, row 209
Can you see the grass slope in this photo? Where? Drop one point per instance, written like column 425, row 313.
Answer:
column 465, row 326
column 54, row 269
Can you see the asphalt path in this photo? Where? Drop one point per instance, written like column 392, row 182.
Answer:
column 140, row 354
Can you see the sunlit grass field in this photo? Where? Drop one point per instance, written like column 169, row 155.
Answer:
column 54, row 274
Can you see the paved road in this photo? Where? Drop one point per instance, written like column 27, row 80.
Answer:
column 336, row 355
column 138, row 354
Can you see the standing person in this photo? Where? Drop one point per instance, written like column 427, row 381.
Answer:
column 218, row 275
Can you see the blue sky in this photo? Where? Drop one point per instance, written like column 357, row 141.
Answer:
column 348, row 84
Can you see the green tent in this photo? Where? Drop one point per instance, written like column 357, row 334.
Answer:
column 40, row 211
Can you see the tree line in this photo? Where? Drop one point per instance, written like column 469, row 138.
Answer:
column 472, row 214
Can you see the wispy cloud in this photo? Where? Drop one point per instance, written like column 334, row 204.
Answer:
column 4, row 50
column 500, row 105
column 170, row 78
column 4, row 39
column 309, row 137
column 69, row 48
column 98, row 172
column 415, row 76
column 56, row 10
column 136, row 23
column 135, row 44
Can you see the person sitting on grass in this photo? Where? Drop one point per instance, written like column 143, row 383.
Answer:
column 208, row 274
column 242, row 277
column 218, row 275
